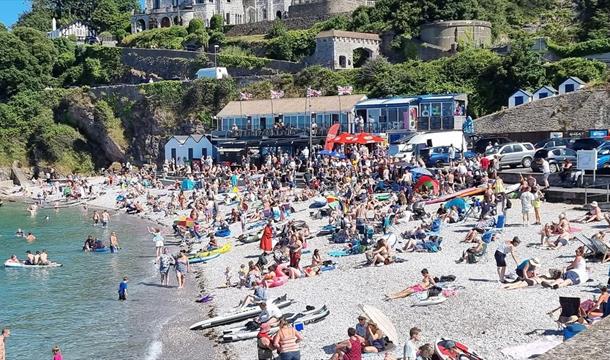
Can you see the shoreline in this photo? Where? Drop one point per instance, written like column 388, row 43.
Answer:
column 173, row 337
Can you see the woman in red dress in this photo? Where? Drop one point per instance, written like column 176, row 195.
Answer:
column 266, row 243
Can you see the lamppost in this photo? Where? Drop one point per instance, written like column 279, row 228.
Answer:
column 215, row 52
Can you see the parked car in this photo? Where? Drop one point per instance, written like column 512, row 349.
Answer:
column 603, row 156
column 586, row 144
column 481, row 144
column 555, row 157
column 439, row 156
column 555, row 143
column 513, row 154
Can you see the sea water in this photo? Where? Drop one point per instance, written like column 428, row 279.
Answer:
column 75, row 306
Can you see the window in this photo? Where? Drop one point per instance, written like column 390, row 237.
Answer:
column 518, row 100
column 507, row 150
column 543, row 95
column 204, row 153
column 517, row 148
column 569, row 88
column 425, row 110
column 569, row 152
column 447, row 109
column 436, row 110
column 342, row 61
column 556, row 152
column 527, row 147
column 173, row 153
column 190, row 154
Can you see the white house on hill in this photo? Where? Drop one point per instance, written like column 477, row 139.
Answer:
column 77, row 28
column 188, row 147
column 571, row 84
column 544, row 92
column 519, row 98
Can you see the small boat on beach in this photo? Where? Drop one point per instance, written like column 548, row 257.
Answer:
column 453, row 350
column 309, row 316
column 221, row 250
column 21, row 265
column 238, row 315
column 204, row 259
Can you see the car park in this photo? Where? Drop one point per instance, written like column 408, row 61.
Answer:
column 555, row 157
column 587, row 144
column 480, row 145
column 439, row 156
column 513, row 154
column 555, row 143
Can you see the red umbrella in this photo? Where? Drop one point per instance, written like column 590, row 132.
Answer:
column 366, row 138
column 345, row 138
column 428, row 183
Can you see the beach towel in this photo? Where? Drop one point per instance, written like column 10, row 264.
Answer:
column 572, row 330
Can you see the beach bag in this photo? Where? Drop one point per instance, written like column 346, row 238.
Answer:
column 471, row 259
column 434, row 291
column 446, row 278
column 436, row 225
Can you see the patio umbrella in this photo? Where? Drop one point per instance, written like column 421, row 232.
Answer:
column 345, row 138
column 366, row 138
column 460, row 203
column 382, row 321
column 428, row 183
column 419, row 171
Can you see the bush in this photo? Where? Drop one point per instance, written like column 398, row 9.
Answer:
column 196, row 25
column 587, row 70
column 278, row 29
column 161, row 38
column 294, row 45
column 581, row 49
column 217, row 23
column 234, row 56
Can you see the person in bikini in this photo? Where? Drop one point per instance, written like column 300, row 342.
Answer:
column 426, row 283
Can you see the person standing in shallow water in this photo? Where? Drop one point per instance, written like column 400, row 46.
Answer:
column 5, row 334
column 123, row 289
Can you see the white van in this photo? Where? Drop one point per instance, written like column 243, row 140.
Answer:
column 212, row 73
column 406, row 149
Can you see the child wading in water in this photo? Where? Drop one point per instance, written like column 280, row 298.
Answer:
column 56, row 353
column 123, row 289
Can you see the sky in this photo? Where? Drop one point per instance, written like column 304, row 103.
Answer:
column 11, row 9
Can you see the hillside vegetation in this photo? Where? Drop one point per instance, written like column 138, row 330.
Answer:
column 48, row 116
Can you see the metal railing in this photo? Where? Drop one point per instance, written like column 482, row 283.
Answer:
column 603, row 191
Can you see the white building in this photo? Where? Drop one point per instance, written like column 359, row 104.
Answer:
column 544, row 92
column 77, row 29
column 188, row 147
column 264, row 10
column 519, row 98
column 571, row 84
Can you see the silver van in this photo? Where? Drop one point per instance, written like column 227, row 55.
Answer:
column 513, row 154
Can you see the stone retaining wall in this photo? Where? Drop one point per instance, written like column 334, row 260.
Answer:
column 263, row 27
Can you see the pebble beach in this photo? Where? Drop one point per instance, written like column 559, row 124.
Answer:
column 496, row 323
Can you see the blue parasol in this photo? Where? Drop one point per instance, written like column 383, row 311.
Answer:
column 460, row 203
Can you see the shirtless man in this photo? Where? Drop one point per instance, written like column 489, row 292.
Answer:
column 44, row 258
column 30, row 237
column 36, row 258
column 114, row 242
column 105, row 218
column 29, row 258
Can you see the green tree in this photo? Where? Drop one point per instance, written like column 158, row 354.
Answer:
column 195, row 26
column 587, row 70
column 217, row 23
column 523, row 66
column 278, row 29
column 19, row 69
column 40, row 46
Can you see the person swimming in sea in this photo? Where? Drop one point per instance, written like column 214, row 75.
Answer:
column 20, row 233
column 30, row 237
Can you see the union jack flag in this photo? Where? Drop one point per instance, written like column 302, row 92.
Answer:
column 244, row 96
column 345, row 90
column 313, row 93
column 277, row 94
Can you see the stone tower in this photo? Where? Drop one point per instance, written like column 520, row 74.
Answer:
column 325, row 8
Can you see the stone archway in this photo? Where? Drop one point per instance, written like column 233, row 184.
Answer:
column 140, row 25
column 360, row 56
column 166, row 22
column 346, row 49
column 278, row 14
column 177, row 20
column 250, row 15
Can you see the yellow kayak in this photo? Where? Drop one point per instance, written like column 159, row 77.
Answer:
column 221, row 250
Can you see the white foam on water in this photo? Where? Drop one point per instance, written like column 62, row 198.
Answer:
column 154, row 350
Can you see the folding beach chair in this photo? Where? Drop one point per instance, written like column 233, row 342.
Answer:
column 570, row 311
column 595, row 247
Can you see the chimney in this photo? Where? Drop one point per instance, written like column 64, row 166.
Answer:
column 53, row 24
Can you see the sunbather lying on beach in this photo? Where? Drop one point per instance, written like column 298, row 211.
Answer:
column 576, row 273
column 562, row 229
column 594, row 214
column 425, row 284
